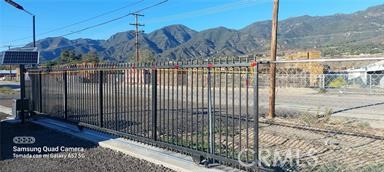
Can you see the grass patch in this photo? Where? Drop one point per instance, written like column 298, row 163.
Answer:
column 310, row 119
column 7, row 90
column 322, row 91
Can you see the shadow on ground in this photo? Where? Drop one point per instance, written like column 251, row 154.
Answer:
column 11, row 86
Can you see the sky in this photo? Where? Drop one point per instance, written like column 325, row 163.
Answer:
column 62, row 17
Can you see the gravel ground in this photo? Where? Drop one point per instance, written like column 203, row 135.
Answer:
column 3, row 116
column 92, row 158
column 7, row 99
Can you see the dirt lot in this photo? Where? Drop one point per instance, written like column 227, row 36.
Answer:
column 92, row 158
column 322, row 150
column 7, row 99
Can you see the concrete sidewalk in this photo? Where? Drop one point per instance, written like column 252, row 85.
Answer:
column 169, row 159
column 6, row 110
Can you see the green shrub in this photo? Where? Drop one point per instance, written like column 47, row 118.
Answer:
column 338, row 82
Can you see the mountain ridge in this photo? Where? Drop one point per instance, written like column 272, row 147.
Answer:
column 358, row 32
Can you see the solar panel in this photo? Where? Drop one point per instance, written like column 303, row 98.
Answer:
column 20, row 57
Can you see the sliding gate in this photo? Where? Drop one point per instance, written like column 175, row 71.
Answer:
column 199, row 108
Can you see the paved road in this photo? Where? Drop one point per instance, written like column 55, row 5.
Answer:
column 365, row 107
column 289, row 100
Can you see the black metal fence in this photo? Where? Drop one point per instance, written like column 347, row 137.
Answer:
column 201, row 108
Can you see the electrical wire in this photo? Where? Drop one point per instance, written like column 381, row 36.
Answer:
column 114, row 19
column 82, row 21
column 205, row 11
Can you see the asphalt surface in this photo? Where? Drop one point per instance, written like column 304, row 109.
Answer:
column 7, row 99
column 289, row 101
column 88, row 157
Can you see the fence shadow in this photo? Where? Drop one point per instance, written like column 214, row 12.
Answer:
column 358, row 107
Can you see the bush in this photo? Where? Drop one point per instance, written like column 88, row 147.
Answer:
column 338, row 82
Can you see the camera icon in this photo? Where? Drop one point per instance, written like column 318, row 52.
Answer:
column 24, row 140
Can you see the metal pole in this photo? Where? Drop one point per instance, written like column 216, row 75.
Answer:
column 272, row 70
column 256, row 113
column 210, row 115
column 101, row 98
column 34, row 31
column 22, row 93
column 154, row 104
column 40, row 92
column 115, row 100
column 370, row 83
column 65, row 96
column 137, row 38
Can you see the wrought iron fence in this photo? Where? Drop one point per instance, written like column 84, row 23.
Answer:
column 198, row 107
column 204, row 108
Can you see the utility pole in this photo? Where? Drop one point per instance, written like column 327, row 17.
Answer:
column 137, row 25
column 272, row 91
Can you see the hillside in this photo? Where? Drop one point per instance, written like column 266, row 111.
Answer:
column 359, row 32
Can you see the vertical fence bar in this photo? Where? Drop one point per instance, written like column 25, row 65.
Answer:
column 22, row 93
column 115, row 97
column 40, row 92
column 256, row 113
column 210, row 115
column 65, row 95
column 101, row 98
column 154, row 104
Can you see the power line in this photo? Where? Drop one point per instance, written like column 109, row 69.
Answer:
column 206, row 11
column 115, row 19
column 83, row 21
column 154, row 5
column 112, row 20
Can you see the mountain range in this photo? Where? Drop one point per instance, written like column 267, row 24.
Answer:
column 339, row 34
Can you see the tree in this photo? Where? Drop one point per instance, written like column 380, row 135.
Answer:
column 147, row 56
column 68, row 57
column 91, row 57
column 50, row 63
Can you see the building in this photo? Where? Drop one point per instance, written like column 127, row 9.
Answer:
column 372, row 74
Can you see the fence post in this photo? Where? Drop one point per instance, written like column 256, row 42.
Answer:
column 101, row 98
column 256, row 113
column 22, row 93
column 40, row 92
column 154, row 103
column 65, row 95
column 370, row 84
column 210, row 115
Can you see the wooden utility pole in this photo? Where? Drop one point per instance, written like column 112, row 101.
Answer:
column 137, row 24
column 272, row 91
